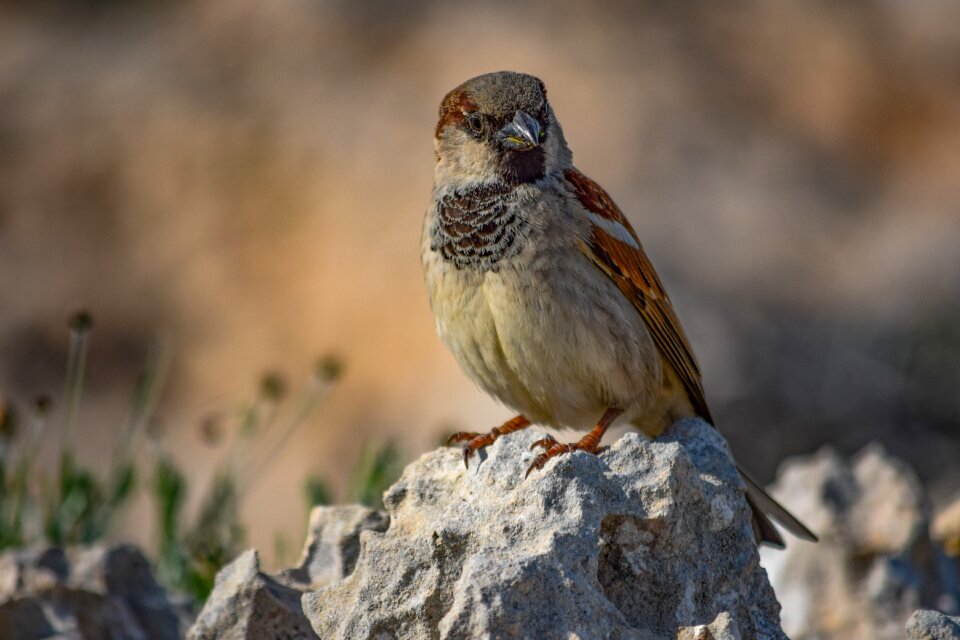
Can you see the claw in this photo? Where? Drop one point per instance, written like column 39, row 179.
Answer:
column 475, row 444
column 476, row 441
column 546, row 442
column 537, row 464
column 552, row 451
column 589, row 443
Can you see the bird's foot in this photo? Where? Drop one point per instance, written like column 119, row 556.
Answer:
column 589, row 443
column 476, row 441
column 552, row 449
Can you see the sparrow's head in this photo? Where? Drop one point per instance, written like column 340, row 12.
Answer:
column 499, row 126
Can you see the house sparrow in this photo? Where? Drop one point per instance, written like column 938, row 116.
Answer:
column 541, row 289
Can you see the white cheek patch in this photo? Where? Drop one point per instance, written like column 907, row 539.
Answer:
column 469, row 160
column 614, row 229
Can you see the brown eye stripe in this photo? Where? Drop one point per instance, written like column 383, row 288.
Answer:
column 452, row 109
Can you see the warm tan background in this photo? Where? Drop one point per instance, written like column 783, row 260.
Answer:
column 249, row 178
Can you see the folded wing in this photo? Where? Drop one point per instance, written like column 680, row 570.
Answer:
column 614, row 247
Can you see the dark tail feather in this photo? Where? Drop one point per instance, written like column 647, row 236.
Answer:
column 763, row 505
column 763, row 529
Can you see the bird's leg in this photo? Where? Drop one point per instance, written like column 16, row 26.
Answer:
column 476, row 441
column 589, row 443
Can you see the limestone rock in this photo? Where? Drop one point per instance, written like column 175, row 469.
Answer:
column 333, row 544
column 249, row 604
column 99, row 592
column 25, row 619
column 875, row 563
column 644, row 540
column 723, row 628
column 932, row 625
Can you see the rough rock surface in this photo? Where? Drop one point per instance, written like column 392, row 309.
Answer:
column 932, row 625
column 875, row 563
column 101, row 592
column 644, row 540
column 333, row 544
column 247, row 604
column 723, row 628
column 251, row 605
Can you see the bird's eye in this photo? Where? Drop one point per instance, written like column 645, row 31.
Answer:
column 474, row 123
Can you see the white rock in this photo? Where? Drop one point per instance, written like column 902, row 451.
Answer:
column 640, row 542
column 875, row 563
column 932, row 625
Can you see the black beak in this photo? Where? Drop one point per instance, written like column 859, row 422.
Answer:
column 520, row 134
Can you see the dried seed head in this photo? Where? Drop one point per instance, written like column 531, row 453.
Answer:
column 211, row 429
column 42, row 404
column 81, row 321
column 329, row 368
column 273, row 386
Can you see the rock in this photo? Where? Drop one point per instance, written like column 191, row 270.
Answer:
column 24, row 618
column 333, row 544
column 723, row 628
column 932, row 625
column 647, row 539
column 875, row 563
column 247, row 603
column 30, row 571
column 99, row 592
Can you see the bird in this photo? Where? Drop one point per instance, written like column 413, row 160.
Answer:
column 541, row 290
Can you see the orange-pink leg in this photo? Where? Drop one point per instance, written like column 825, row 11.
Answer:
column 589, row 443
column 476, row 441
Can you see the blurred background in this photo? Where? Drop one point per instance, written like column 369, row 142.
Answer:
column 234, row 191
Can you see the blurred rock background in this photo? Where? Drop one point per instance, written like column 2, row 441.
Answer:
column 249, row 178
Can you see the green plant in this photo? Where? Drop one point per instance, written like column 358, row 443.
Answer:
column 16, row 479
column 190, row 556
column 317, row 491
column 378, row 468
column 191, row 553
column 78, row 505
column 82, row 507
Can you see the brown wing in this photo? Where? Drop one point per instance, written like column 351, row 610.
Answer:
column 615, row 248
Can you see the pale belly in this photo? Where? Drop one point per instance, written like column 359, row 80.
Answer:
column 554, row 340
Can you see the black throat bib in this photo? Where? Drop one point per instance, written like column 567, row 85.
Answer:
column 476, row 228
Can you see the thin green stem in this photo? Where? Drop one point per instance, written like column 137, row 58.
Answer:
column 146, row 397
column 307, row 400
column 76, row 363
